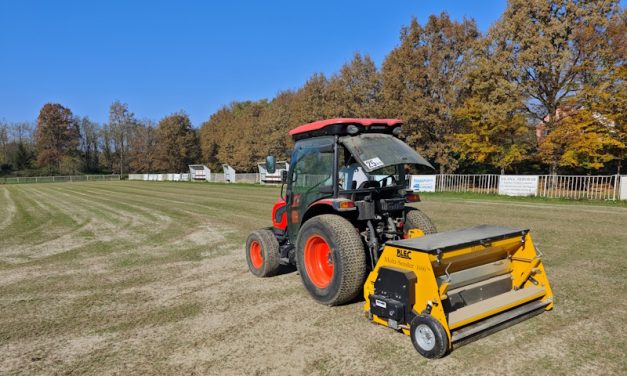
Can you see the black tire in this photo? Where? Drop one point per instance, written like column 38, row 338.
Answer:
column 428, row 337
column 269, row 251
column 415, row 218
column 347, row 257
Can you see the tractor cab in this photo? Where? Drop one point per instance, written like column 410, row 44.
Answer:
column 351, row 166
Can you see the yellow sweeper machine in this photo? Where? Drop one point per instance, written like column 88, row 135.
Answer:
column 344, row 222
column 447, row 288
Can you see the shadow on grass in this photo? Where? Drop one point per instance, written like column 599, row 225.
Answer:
column 287, row 269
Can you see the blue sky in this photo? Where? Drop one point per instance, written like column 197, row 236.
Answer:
column 196, row 56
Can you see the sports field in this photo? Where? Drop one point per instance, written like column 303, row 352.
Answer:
column 151, row 278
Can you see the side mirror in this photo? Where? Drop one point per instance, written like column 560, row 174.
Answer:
column 284, row 177
column 270, row 164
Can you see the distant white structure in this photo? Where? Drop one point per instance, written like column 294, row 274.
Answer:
column 229, row 173
column 159, row 177
column 267, row 178
column 199, row 172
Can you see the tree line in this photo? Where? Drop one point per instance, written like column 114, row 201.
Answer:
column 61, row 143
column 543, row 90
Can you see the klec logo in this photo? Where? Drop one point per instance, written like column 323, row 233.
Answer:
column 403, row 253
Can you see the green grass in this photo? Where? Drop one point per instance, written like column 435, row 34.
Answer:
column 526, row 199
column 150, row 278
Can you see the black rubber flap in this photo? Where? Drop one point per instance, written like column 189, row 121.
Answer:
column 458, row 238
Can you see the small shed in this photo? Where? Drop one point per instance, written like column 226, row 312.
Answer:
column 199, row 172
column 229, row 173
column 275, row 178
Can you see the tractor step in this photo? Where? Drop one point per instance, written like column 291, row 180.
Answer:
column 500, row 321
column 492, row 306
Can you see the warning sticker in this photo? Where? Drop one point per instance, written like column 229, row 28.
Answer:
column 380, row 303
column 373, row 163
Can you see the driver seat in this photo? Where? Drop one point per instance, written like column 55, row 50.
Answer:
column 369, row 184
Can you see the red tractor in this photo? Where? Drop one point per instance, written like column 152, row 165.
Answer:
column 346, row 197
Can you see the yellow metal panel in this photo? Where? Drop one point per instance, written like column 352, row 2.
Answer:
column 476, row 255
column 415, row 233
column 426, row 289
column 492, row 306
column 527, row 263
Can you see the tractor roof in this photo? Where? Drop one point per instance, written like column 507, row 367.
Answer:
column 339, row 126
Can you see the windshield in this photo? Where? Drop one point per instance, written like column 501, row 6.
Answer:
column 352, row 176
column 374, row 151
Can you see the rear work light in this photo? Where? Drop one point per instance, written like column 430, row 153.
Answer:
column 346, row 205
column 352, row 129
column 412, row 197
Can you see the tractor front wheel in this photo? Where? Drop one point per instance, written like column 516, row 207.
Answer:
column 262, row 253
column 331, row 259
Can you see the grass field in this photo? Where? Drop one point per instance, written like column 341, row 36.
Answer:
column 151, row 278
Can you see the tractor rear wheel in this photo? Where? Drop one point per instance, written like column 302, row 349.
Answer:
column 415, row 218
column 331, row 259
column 262, row 253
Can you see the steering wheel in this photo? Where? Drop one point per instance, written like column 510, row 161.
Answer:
column 389, row 176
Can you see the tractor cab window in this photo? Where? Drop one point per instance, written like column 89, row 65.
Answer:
column 375, row 151
column 351, row 175
column 313, row 165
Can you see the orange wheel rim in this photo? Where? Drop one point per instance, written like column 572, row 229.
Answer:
column 318, row 261
column 256, row 258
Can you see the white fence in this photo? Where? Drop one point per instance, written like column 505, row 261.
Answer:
column 214, row 177
column 584, row 187
column 159, row 177
column 485, row 183
column 578, row 187
column 58, row 179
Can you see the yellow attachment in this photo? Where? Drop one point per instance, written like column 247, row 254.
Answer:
column 465, row 287
column 415, row 233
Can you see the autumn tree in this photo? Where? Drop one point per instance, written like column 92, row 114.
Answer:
column 143, row 148
column 241, row 139
column 17, row 148
column 275, row 122
column 356, row 90
column 495, row 130
column 246, row 136
column 550, row 48
column 423, row 83
column 177, row 143
column 106, row 148
column 243, row 133
column 23, row 156
column 4, row 140
column 603, row 99
column 121, row 124
column 582, row 139
column 57, row 138
column 312, row 100
column 210, row 140
column 89, row 145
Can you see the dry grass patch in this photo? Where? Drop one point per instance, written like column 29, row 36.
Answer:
column 150, row 278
